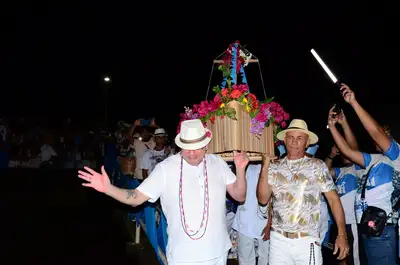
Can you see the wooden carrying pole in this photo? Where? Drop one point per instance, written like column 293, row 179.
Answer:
column 249, row 61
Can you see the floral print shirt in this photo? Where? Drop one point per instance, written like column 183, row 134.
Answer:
column 296, row 194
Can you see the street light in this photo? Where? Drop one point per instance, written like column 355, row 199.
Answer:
column 107, row 83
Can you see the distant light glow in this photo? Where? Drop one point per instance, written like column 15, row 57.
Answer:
column 107, row 79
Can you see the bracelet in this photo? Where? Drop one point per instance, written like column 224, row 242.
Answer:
column 345, row 236
column 331, row 158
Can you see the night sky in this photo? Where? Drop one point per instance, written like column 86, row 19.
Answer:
column 54, row 56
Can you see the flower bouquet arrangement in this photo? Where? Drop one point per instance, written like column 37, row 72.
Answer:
column 262, row 113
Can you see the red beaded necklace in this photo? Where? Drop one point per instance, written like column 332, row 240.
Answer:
column 195, row 235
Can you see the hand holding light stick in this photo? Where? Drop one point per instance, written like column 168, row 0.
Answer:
column 337, row 109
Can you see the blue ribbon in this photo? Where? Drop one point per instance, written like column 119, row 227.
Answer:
column 244, row 80
column 282, row 150
column 223, row 84
column 312, row 150
column 234, row 58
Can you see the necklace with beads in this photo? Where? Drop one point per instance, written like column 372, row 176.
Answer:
column 194, row 234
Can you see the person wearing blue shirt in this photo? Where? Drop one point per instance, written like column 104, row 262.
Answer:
column 251, row 223
column 378, row 191
column 346, row 179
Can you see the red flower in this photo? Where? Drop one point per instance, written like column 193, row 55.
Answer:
column 236, row 93
column 208, row 134
column 224, row 92
column 212, row 119
column 253, row 101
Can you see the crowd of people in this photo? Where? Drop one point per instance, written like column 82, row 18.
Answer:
column 292, row 209
column 32, row 143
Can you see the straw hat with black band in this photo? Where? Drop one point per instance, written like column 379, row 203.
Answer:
column 193, row 135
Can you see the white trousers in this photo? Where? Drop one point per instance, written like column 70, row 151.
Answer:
column 247, row 252
column 299, row 251
column 221, row 260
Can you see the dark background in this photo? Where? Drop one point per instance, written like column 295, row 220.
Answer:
column 54, row 57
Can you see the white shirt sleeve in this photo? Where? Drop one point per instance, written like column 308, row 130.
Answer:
column 226, row 172
column 145, row 163
column 154, row 185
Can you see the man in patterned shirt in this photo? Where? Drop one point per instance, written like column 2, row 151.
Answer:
column 296, row 184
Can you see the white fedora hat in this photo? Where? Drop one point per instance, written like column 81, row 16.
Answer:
column 193, row 135
column 160, row 132
column 300, row 126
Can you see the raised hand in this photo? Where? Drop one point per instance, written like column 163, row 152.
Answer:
column 98, row 181
column 334, row 151
column 348, row 94
column 153, row 123
column 241, row 159
column 332, row 117
column 341, row 118
column 266, row 159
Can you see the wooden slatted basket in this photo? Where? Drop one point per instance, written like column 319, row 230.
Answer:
column 230, row 135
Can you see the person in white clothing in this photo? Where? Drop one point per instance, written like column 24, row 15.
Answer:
column 251, row 223
column 297, row 183
column 141, row 144
column 156, row 155
column 192, row 187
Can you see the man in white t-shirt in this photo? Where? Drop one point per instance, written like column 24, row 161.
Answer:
column 142, row 145
column 192, row 187
column 156, row 155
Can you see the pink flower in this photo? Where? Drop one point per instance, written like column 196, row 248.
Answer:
column 261, row 117
column 208, row 134
column 242, row 87
column 217, row 99
column 206, row 107
column 286, row 116
column 371, row 224
column 283, row 124
column 278, row 118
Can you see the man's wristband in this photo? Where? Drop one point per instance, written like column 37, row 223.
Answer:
column 331, row 158
column 345, row 236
